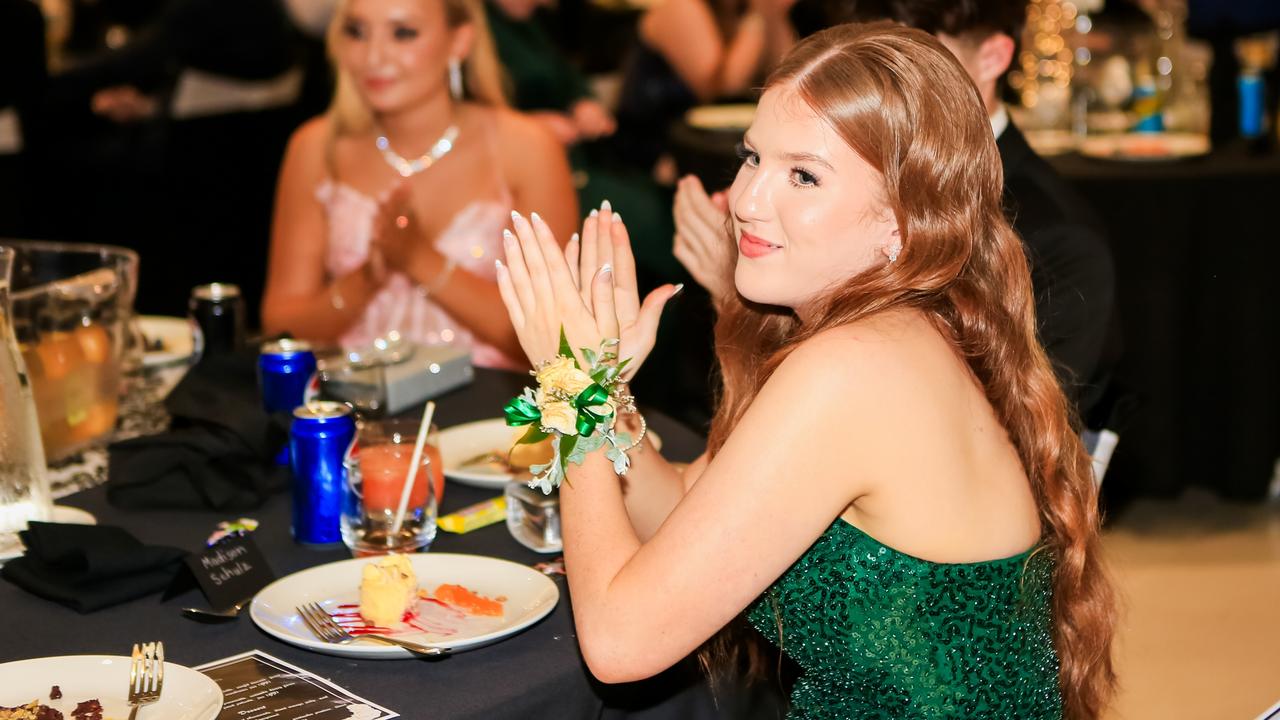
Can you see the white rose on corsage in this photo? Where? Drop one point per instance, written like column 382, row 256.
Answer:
column 560, row 416
column 563, row 375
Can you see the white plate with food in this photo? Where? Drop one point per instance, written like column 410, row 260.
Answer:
column 461, row 602
column 11, row 545
column 1145, row 147
column 484, row 453
column 736, row 116
column 168, row 340
column 186, row 694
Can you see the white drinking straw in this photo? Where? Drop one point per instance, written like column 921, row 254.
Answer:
column 427, row 412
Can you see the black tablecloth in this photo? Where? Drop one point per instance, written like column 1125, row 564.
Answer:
column 536, row 674
column 1196, row 252
column 1196, row 249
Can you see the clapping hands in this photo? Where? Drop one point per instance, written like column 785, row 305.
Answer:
column 702, row 243
column 588, row 288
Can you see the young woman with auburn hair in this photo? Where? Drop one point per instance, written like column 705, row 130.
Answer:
column 893, row 491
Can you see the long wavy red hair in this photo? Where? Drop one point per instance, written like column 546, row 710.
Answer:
column 905, row 105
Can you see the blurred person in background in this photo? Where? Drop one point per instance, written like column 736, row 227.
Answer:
column 691, row 52
column 390, row 207
column 180, row 110
column 546, row 85
column 1071, row 266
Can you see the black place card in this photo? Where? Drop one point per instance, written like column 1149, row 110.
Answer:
column 258, row 686
column 230, row 571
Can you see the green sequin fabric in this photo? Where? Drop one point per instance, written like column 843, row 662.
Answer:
column 881, row 634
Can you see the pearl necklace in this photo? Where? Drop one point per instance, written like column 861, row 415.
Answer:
column 408, row 168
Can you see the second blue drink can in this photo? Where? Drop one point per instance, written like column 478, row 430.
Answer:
column 284, row 369
column 321, row 435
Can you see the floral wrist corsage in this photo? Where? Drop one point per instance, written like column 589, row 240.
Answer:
column 577, row 409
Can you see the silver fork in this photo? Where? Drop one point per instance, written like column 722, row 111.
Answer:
column 146, row 676
column 328, row 630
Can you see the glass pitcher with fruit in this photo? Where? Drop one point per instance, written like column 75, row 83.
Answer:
column 72, row 308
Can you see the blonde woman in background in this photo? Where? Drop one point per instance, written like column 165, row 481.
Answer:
column 390, row 207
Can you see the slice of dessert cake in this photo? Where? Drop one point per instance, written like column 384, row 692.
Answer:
column 387, row 588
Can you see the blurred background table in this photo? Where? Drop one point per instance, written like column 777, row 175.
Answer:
column 1195, row 247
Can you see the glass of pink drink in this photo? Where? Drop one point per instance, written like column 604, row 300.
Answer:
column 376, row 473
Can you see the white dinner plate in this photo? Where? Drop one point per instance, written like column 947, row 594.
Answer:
column 187, row 694
column 470, row 440
column 11, row 545
column 721, row 117
column 173, row 335
column 1145, row 147
column 529, row 594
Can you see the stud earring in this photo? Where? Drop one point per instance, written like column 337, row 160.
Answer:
column 893, row 253
column 455, row 79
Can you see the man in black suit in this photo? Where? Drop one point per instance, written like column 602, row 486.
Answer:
column 1071, row 267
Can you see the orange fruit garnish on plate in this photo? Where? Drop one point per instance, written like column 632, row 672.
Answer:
column 468, row 601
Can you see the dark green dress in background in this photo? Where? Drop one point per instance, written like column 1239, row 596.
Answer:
column 881, row 634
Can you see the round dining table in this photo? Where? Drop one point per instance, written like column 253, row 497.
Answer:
column 538, row 673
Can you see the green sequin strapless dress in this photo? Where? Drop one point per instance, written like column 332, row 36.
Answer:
column 881, row 634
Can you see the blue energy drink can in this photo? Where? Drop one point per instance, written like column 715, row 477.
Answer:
column 284, row 369
column 322, row 434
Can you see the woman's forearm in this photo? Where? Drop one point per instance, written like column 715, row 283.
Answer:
column 471, row 300
column 652, row 487
column 322, row 316
column 742, row 57
column 780, row 37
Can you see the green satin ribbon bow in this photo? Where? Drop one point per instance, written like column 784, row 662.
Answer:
column 520, row 411
column 594, row 395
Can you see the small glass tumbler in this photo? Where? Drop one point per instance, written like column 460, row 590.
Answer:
column 377, row 469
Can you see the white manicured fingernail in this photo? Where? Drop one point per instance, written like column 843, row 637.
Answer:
column 497, row 264
column 605, row 205
column 606, row 270
column 573, row 237
column 534, row 216
column 617, row 217
column 679, row 288
column 593, row 213
column 515, row 215
column 508, row 235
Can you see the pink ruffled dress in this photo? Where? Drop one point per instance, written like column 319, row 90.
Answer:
column 473, row 239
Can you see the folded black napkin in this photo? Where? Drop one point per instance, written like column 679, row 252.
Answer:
column 219, row 452
column 89, row 567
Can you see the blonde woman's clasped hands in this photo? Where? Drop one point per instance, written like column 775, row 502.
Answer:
column 588, row 288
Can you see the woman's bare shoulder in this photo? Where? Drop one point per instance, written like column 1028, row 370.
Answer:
column 519, row 134
column 867, row 344
column 312, row 134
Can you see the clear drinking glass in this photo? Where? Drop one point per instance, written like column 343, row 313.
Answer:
column 377, row 468
column 24, row 487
